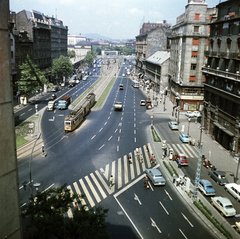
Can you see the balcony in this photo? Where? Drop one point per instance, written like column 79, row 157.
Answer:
column 225, row 74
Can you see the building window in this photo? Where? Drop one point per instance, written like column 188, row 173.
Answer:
column 194, row 53
column 204, row 79
column 196, row 28
column 193, row 67
column 210, row 17
column 192, row 78
column 195, row 42
column 220, row 30
column 197, row 16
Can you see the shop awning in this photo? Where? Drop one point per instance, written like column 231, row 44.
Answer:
column 223, row 129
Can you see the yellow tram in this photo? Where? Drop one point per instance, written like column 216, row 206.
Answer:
column 74, row 118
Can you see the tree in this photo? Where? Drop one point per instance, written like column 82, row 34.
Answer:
column 71, row 54
column 32, row 79
column 46, row 210
column 61, row 67
column 89, row 58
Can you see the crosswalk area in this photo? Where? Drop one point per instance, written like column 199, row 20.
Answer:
column 186, row 149
column 96, row 185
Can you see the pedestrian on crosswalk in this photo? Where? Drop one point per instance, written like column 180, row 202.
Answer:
column 129, row 158
column 111, row 180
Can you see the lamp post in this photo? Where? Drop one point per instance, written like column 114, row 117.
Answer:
column 30, row 161
column 189, row 120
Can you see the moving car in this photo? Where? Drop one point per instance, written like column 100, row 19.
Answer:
column 118, row 106
column 218, row 176
column 121, row 87
column 142, row 102
column 155, row 176
column 53, row 97
column 183, row 159
column 190, row 114
column 224, row 205
column 173, row 125
column 233, row 189
column 197, row 113
column 184, row 138
column 206, row 187
column 123, row 75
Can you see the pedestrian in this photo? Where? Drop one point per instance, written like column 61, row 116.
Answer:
column 145, row 182
column 147, row 148
column 174, row 177
column 76, row 208
column 165, row 152
column 177, row 181
column 129, row 159
column 111, row 180
column 176, row 114
column 152, row 159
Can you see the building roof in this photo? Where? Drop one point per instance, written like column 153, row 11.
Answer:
column 83, row 43
column 158, row 57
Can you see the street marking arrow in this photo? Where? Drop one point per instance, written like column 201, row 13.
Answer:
column 153, row 224
column 136, row 198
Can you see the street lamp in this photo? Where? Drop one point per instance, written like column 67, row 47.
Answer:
column 30, row 161
column 189, row 120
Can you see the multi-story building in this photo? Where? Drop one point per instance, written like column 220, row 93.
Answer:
column 81, row 48
column 222, row 85
column 188, row 43
column 147, row 26
column 149, row 43
column 74, row 39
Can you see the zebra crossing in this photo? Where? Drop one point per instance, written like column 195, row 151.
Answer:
column 95, row 186
column 186, row 149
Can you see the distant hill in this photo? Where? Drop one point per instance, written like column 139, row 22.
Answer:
column 96, row 36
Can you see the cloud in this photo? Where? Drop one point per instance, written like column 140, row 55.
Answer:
column 135, row 12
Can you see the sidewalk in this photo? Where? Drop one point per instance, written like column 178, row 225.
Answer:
column 220, row 158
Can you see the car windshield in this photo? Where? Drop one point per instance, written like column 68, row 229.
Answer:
column 185, row 136
column 157, row 176
column 209, row 187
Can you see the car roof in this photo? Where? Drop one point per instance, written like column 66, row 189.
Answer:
column 224, row 200
column 237, row 186
column 154, row 170
column 173, row 122
column 184, row 135
column 220, row 173
column 205, row 181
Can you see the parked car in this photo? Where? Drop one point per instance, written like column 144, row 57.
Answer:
column 183, row 159
column 53, row 97
column 184, row 138
column 123, row 75
column 218, row 176
column 224, row 205
column 233, row 189
column 173, row 125
column 190, row 114
column 142, row 102
column 206, row 187
column 197, row 114
column 155, row 176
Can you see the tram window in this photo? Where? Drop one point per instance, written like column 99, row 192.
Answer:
column 67, row 123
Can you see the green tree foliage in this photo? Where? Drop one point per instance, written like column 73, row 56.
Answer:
column 97, row 50
column 46, row 212
column 89, row 58
column 71, row 54
column 61, row 67
column 32, row 79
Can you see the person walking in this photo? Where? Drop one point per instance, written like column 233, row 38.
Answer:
column 129, row 159
column 111, row 180
column 174, row 178
column 152, row 159
column 145, row 182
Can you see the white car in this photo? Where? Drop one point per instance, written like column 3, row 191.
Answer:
column 123, row 75
column 224, row 205
column 196, row 113
column 142, row 102
column 190, row 114
column 233, row 189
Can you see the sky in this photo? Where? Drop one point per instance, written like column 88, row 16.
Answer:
column 117, row 19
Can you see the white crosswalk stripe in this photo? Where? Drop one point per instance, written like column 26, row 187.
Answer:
column 96, row 186
column 185, row 149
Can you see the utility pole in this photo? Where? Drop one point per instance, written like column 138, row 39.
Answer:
column 10, row 221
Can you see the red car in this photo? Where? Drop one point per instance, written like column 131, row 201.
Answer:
column 183, row 159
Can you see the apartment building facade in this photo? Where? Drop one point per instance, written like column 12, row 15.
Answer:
column 222, row 85
column 188, row 42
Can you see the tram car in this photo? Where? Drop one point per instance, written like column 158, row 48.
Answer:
column 74, row 118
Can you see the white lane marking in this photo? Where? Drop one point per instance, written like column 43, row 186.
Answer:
column 187, row 220
column 120, row 124
column 100, row 130
column 164, row 208
column 30, row 109
column 125, row 169
column 117, row 148
column 134, row 131
column 79, row 193
column 93, row 136
column 115, row 130
column 134, row 125
column 153, row 224
column 137, row 199
column 105, row 123
column 87, row 194
column 109, row 138
column 118, row 138
column 69, row 212
column 135, row 139
column 121, row 118
column 120, row 131
column 119, row 173
column 101, row 147
column 182, row 233
column 103, row 182
column 22, row 114
column 60, row 115
column 52, row 119
column 114, row 175
column 108, row 117
column 134, row 119
column 168, row 194
column 48, row 187
column 92, row 189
